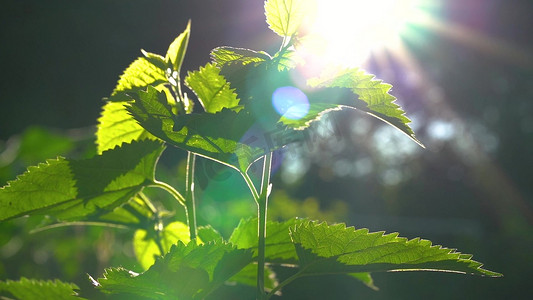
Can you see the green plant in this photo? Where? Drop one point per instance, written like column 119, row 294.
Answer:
column 236, row 126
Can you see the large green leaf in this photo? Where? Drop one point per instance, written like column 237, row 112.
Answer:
column 187, row 272
column 284, row 17
column 235, row 139
column 30, row 289
column 326, row 249
column 212, row 89
column 71, row 189
column 374, row 94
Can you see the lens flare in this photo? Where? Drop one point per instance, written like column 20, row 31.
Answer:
column 290, row 102
column 350, row 30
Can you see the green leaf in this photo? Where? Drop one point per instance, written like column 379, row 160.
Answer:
column 209, row 234
column 141, row 73
column 284, row 17
column 324, row 249
column 71, row 189
column 279, row 246
column 186, row 272
column 116, row 126
column 145, row 246
column 31, row 289
column 376, row 100
column 227, row 56
column 232, row 138
column 212, row 89
column 176, row 50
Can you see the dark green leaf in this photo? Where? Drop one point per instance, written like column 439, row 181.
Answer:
column 30, row 289
column 212, row 89
column 374, row 94
column 186, row 272
column 71, row 189
column 236, row 139
column 324, row 249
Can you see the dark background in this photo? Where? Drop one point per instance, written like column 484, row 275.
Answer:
column 470, row 98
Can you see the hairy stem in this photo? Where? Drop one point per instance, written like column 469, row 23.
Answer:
column 170, row 190
column 262, row 204
column 189, row 195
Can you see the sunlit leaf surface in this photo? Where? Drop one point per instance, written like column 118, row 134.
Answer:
column 336, row 248
column 374, row 94
column 31, row 289
column 72, row 189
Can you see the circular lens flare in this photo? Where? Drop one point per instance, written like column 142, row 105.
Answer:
column 290, row 102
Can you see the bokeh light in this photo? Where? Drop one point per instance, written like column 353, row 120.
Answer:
column 290, row 102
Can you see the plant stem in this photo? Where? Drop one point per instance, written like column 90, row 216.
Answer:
column 284, row 283
column 262, row 216
column 251, row 186
column 189, row 195
column 170, row 190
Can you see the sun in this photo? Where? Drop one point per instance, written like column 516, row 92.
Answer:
column 346, row 32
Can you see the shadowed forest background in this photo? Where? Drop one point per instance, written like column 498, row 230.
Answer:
column 469, row 93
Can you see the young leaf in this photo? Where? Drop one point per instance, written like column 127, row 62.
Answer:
column 141, row 73
column 30, row 289
column 146, row 248
column 326, row 249
column 71, row 189
column 187, row 272
column 176, row 50
column 375, row 94
column 284, row 17
column 212, row 89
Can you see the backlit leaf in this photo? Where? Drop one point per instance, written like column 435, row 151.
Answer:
column 176, row 50
column 284, row 17
column 71, row 189
column 141, row 73
column 116, row 126
column 374, row 94
column 212, row 89
column 31, row 289
column 145, row 246
column 324, row 249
